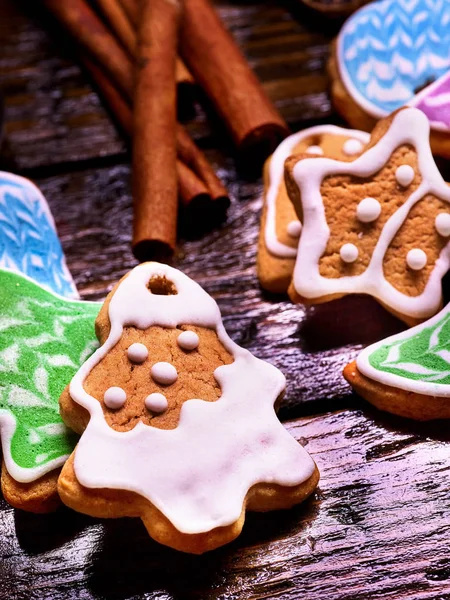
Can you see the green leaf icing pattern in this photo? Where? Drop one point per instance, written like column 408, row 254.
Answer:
column 44, row 339
column 424, row 356
column 416, row 360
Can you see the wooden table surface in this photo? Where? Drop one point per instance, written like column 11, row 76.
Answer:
column 378, row 525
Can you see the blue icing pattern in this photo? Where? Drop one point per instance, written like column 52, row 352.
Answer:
column 389, row 49
column 28, row 239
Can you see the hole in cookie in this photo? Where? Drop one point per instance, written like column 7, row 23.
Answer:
column 161, row 286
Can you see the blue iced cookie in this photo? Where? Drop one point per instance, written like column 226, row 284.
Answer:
column 386, row 54
column 28, row 239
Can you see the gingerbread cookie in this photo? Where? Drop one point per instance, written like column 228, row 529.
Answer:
column 408, row 374
column 44, row 338
column 378, row 225
column 280, row 227
column 29, row 243
column 177, row 421
column 385, row 55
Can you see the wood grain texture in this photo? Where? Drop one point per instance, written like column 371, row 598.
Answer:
column 378, row 526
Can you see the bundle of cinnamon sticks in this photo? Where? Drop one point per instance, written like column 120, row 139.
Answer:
column 132, row 49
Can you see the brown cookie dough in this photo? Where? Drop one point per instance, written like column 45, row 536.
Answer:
column 39, row 496
column 411, row 405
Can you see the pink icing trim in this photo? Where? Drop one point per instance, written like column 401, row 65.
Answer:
column 434, row 101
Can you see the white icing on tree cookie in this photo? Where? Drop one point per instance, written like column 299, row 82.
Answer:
column 409, row 126
column 115, row 397
column 368, row 210
column 156, row 403
column 164, row 373
column 188, row 340
column 137, row 353
column 198, row 474
column 276, row 174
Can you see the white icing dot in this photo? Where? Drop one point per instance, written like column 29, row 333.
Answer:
column 314, row 150
column 404, row 175
column 294, row 229
column 156, row 403
column 352, row 147
column 368, row 210
column 188, row 340
column 442, row 224
column 416, row 259
column 114, row 397
column 349, row 253
column 137, row 353
column 164, row 373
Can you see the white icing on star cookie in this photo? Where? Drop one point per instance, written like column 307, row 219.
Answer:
column 409, row 126
column 405, row 175
column 442, row 224
column 416, row 259
column 276, row 175
column 349, row 253
column 294, row 229
column 368, row 210
column 199, row 473
column 314, row 150
column 352, row 147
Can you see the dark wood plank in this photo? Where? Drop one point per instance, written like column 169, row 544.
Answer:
column 377, row 528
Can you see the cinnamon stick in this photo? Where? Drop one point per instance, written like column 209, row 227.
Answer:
column 113, row 98
column 218, row 65
column 89, row 31
column 109, row 64
column 154, row 142
column 195, row 196
column 183, row 75
column 131, row 8
column 119, row 23
column 197, row 161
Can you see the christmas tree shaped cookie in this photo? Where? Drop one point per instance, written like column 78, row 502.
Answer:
column 29, row 243
column 177, row 422
column 379, row 225
column 44, row 338
column 280, row 227
column 408, row 374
